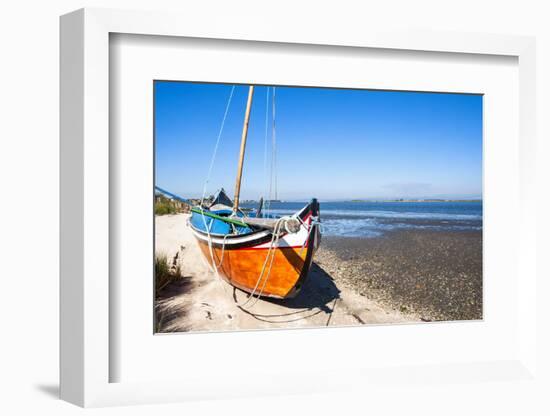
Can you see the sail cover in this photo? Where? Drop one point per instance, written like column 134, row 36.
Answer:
column 222, row 199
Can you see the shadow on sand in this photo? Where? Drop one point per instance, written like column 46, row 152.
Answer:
column 168, row 310
column 318, row 295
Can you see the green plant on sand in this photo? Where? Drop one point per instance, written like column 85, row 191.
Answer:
column 164, row 272
column 164, row 208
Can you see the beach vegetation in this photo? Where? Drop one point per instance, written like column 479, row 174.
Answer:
column 164, row 208
column 167, row 206
column 165, row 272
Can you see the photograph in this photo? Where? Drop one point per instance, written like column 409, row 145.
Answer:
column 281, row 206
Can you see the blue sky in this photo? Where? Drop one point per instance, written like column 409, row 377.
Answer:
column 331, row 143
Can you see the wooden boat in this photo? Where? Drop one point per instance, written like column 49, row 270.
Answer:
column 248, row 256
column 258, row 253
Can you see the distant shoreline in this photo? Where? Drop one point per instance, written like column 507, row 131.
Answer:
column 249, row 202
column 415, row 200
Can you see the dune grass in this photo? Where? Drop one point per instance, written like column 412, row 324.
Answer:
column 164, row 208
column 164, row 272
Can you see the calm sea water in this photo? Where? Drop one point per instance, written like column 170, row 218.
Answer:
column 372, row 219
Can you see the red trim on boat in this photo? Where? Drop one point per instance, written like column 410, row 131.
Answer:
column 267, row 248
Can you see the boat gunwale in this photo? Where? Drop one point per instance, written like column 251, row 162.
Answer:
column 302, row 214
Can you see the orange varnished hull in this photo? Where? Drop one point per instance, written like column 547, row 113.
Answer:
column 242, row 268
column 240, row 258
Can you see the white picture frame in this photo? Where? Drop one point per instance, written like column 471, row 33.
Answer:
column 85, row 182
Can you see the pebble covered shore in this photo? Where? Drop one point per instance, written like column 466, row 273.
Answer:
column 435, row 274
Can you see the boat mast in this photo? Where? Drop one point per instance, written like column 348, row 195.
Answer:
column 243, row 147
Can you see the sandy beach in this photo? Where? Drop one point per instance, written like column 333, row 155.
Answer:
column 401, row 276
column 201, row 301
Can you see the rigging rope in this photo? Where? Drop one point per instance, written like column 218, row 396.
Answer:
column 273, row 163
column 270, row 254
column 206, row 226
column 279, row 225
column 217, row 145
column 265, row 138
column 274, row 147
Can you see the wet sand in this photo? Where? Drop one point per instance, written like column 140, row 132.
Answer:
column 435, row 274
column 402, row 276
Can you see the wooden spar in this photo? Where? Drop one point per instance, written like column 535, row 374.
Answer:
column 292, row 225
column 243, row 147
column 219, row 217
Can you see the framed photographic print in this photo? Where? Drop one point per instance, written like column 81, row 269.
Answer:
column 391, row 232
column 247, row 204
